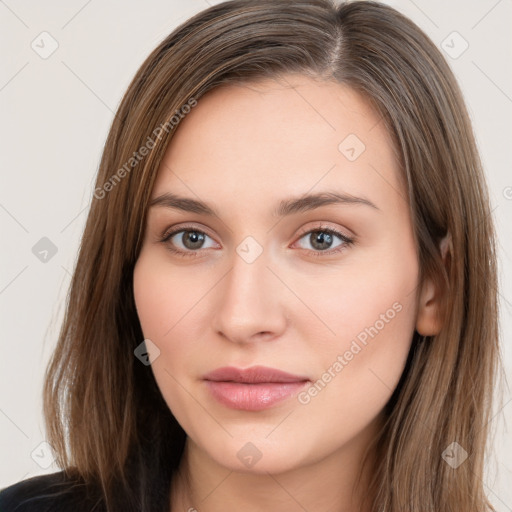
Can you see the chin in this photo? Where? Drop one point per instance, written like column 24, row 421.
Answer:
column 274, row 463
column 256, row 454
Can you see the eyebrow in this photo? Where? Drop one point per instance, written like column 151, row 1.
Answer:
column 285, row 207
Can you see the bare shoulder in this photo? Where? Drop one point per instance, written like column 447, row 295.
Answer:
column 54, row 492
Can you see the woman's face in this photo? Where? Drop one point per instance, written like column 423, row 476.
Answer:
column 323, row 288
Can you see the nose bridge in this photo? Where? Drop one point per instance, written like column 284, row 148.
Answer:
column 249, row 302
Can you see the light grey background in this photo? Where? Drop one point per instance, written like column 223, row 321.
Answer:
column 56, row 112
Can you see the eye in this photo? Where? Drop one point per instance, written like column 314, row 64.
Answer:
column 188, row 241
column 185, row 241
column 322, row 240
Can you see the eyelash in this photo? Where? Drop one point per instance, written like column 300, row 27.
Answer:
column 322, row 229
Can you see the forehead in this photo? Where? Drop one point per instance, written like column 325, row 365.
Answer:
column 270, row 138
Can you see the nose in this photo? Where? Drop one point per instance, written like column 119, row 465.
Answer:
column 250, row 303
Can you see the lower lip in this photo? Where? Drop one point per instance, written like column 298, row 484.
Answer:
column 253, row 397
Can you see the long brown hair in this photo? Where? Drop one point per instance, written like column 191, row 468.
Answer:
column 105, row 416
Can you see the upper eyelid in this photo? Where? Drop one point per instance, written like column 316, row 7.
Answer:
column 175, row 230
column 325, row 227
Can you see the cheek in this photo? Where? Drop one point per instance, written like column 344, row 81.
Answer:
column 346, row 302
column 170, row 305
column 165, row 297
column 372, row 315
column 359, row 376
column 161, row 301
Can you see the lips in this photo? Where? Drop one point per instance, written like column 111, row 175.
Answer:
column 252, row 375
column 252, row 389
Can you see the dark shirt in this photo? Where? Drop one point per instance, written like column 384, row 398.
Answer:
column 53, row 492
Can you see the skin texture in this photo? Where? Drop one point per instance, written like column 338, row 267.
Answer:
column 243, row 149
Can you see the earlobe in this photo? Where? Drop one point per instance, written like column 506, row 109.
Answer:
column 429, row 317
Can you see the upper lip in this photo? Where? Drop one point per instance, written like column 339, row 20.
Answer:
column 252, row 375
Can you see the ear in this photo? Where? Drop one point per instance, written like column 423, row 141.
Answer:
column 429, row 316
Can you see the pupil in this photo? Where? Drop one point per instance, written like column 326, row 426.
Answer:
column 193, row 238
column 324, row 240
